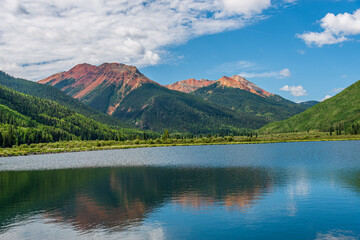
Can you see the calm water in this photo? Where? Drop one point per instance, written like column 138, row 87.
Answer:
column 270, row 191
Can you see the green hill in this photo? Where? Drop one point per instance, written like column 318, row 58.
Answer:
column 26, row 119
column 56, row 95
column 154, row 107
column 340, row 113
column 267, row 109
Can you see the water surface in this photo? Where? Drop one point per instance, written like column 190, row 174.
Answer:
column 264, row 191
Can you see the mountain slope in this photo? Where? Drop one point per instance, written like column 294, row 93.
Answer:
column 227, row 93
column 101, row 87
column 28, row 119
column 54, row 94
column 154, row 107
column 341, row 111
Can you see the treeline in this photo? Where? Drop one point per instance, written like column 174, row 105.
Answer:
column 339, row 129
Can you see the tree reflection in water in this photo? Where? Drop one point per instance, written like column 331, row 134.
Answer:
column 114, row 198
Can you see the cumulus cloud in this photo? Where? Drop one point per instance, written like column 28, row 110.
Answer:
column 284, row 73
column 325, row 98
column 336, row 90
column 40, row 37
column 296, row 91
column 247, row 7
column 336, row 29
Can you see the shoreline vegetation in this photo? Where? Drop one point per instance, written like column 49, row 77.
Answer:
column 97, row 145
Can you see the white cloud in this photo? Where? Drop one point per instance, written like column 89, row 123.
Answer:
column 336, row 90
column 321, row 39
column 336, row 29
column 296, row 91
column 40, row 37
column 246, row 7
column 325, row 98
column 290, row 1
column 284, row 73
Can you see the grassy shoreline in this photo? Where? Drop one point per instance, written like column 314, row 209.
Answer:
column 82, row 146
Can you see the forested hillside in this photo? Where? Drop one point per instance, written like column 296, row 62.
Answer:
column 54, row 94
column 266, row 108
column 26, row 119
column 154, row 107
column 340, row 114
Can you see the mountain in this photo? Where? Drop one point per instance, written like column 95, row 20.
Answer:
column 54, row 94
column 101, row 87
column 341, row 112
column 123, row 92
column 28, row 119
column 243, row 96
column 154, row 107
column 228, row 104
column 189, row 85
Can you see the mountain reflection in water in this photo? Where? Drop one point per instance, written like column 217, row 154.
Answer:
column 115, row 198
column 179, row 202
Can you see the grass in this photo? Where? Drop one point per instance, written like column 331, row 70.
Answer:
column 80, row 146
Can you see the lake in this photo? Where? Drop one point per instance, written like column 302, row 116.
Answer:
column 262, row 191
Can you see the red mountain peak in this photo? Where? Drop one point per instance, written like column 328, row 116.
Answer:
column 189, row 85
column 240, row 82
column 83, row 79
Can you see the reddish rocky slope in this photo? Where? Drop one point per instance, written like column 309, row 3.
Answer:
column 111, row 81
column 191, row 85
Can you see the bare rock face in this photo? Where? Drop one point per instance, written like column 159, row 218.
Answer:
column 189, row 85
column 113, row 81
column 240, row 82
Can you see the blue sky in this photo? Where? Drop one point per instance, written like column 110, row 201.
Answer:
column 272, row 45
column 300, row 49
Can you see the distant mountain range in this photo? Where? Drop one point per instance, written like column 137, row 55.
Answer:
column 116, row 101
column 196, row 106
